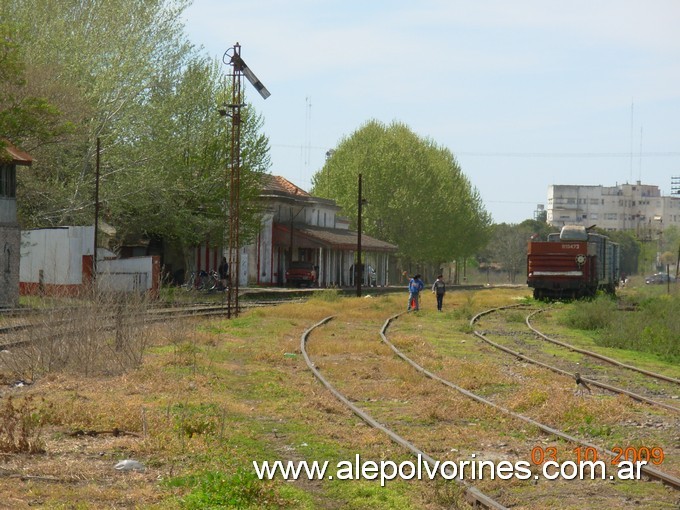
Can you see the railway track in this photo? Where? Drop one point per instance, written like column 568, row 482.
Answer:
column 595, row 354
column 612, row 377
column 379, row 411
column 56, row 320
column 473, row 496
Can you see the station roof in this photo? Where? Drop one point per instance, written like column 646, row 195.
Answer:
column 279, row 188
column 337, row 239
column 16, row 156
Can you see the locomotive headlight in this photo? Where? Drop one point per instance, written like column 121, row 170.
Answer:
column 580, row 259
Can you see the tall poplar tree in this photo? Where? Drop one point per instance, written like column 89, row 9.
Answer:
column 417, row 195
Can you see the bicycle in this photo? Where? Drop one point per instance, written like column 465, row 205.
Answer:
column 215, row 282
column 196, row 281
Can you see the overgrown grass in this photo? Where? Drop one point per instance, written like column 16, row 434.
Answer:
column 20, row 427
column 242, row 489
column 653, row 328
column 595, row 314
column 650, row 323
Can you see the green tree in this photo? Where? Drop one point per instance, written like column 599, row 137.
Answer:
column 417, row 196
column 540, row 228
column 508, row 247
column 22, row 115
column 630, row 250
column 123, row 71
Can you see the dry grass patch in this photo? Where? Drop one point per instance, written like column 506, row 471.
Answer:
column 213, row 395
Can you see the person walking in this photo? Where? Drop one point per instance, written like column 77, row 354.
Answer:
column 414, row 288
column 439, row 288
column 223, row 271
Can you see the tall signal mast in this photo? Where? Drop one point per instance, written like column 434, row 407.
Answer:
column 233, row 58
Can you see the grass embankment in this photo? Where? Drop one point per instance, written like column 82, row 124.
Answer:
column 210, row 397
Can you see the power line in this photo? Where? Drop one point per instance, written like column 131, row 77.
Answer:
column 527, row 154
column 566, row 154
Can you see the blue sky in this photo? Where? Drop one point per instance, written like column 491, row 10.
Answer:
column 525, row 94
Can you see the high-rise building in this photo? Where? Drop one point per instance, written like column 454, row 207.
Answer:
column 637, row 207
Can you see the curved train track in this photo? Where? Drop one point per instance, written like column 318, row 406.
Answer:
column 616, row 373
column 475, row 496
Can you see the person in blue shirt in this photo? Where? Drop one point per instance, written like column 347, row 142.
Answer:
column 414, row 288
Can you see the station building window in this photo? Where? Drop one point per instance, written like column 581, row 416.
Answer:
column 8, row 181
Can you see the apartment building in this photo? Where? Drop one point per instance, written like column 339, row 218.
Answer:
column 638, row 207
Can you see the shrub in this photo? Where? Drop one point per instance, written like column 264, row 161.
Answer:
column 591, row 315
column 100, row 336
column 653, row 328
column 20, row 427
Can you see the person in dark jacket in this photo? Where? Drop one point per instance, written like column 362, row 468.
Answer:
column 439, row 288
column 223, row 271
column 414, row 288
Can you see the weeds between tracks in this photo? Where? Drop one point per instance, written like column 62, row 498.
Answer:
column 209, row 397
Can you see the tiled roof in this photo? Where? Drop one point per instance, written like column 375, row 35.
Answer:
column 277, row 184
column 17, row 156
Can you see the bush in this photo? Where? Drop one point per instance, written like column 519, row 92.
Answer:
column 654, row 328
column 99, row 336
column 596, row 314
column 20, row 427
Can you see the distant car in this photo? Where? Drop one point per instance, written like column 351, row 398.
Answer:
column 301, row 273
column 659, row 278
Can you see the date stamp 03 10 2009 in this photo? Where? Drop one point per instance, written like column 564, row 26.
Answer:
column 634, row 454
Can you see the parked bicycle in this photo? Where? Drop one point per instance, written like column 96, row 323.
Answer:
column 204, row 280
column 215, row 282
column 197, row 280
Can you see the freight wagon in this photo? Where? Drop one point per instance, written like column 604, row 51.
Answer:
column 572, row 264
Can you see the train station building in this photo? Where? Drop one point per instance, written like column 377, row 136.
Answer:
column 297, row 226
column 300, row 227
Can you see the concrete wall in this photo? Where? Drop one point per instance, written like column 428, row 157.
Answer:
column 136, row 274
column 54, row 256
column 58, row 261
column 9, row 264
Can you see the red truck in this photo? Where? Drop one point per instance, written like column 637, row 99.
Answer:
column 301, row 273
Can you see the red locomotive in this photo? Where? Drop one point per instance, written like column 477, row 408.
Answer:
column 574, row 263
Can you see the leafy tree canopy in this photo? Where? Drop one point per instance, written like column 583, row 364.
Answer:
column 416, row 194
column 22, row 114
column 123, row 71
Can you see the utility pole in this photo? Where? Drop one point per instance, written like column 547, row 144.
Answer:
column 96, row 214
column 358, row 273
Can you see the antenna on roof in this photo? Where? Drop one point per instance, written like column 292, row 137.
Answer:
column 308, row 133
column 640, row 169
column 632, row 108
